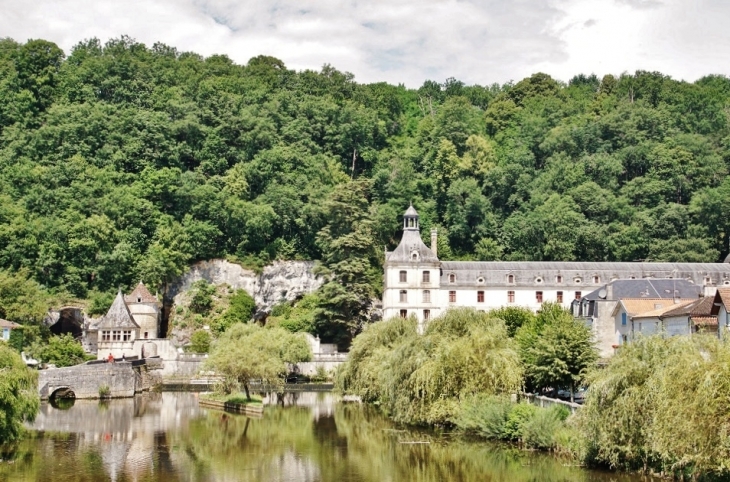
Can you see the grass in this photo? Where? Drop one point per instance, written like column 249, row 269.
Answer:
column 234, row 398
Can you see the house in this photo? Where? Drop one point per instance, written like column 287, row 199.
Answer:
column 417, row 283
column 6, row 327
column 720, row 309
column 655, row 321
column 697, row 315
column 117, row 330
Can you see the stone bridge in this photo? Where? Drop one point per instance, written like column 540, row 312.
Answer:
column 122, row 379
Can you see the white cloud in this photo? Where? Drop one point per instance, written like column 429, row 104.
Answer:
column 409, row 41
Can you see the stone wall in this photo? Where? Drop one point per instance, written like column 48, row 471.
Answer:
column 85, row 380
column 280, row 281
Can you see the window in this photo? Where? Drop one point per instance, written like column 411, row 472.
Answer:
column 116, row 335
column 623, row 319
column 414, row 256
column 558, row 279
column 480, row 296
column 480, row 280
column 538, row 296
column 403, row 277
column 707, row 280
column 105, row 336
column 560, row 297
column 511, row 279
column 538, row 280
column 403, row 296
column 426, row 296
column 6, row 333
column 146, row 334
column 596, row 279
column 452, row 278
column 426, row 315
column 127, row 335
column 510, row 297
column 577, row 281
column 426, row 276
column 452, row 296
column 404, row 313
column 577, row 295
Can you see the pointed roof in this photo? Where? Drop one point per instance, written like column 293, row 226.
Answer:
column 410, row 244
column 118, row 315
column 722, row 297
column 411, row 211
column 142, row 294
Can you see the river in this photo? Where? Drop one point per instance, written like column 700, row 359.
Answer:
column 303, row 437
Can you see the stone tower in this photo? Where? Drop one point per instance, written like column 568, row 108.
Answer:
column 412, row 276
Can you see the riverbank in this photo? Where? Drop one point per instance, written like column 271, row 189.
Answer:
column 236, row 402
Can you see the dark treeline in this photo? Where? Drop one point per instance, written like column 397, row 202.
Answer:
column 120, row 162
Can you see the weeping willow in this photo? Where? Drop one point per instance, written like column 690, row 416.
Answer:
column 663, row 405
column 421, row 379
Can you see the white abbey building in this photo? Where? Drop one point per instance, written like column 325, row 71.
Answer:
column 417, row 283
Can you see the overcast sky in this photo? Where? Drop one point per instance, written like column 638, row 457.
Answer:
column 408, row 41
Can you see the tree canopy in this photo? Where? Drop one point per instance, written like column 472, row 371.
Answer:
column 18, row 394
column 121, row 161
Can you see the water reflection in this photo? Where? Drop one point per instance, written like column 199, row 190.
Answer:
column 302, row 437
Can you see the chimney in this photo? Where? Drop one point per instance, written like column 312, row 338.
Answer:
column 434, row 243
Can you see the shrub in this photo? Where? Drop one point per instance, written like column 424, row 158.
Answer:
column 541, row 429
column 485, row 416
column 518, row 417
column 202, row 299
column 199, row 342
column 104, row 391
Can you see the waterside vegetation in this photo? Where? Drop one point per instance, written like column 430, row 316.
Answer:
column 658, row 406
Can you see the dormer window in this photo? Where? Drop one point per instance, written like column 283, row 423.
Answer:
column 538, row 280
column 480, row 280
column 139, row 300
column 596, row 279
column 511, row 279
column 558, row 279
column 452, row 278
column 577, row 281
column 708, row 280
column 414, row 256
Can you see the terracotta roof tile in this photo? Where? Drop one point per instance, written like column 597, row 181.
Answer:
column 669, row 305
column 142, row 294
column 704, row 320
column 722, row 296
column 699, row 307
column 8, row 324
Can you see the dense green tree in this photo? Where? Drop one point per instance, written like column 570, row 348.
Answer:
column 62, row 351
column 19, row 400
column 247, row 352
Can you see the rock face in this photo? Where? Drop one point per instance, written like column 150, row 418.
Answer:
column 280, row 281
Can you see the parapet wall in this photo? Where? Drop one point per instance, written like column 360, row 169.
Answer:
column 86, row 380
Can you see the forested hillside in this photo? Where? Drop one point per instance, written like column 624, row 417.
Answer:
column 121, row 161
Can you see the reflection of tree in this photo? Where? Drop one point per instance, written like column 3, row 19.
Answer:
column 347, row 442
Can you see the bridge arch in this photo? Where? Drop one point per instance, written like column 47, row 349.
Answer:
column 62, row 392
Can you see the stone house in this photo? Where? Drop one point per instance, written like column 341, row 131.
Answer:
column 130, row 321
column 417, row 283
column 6, row 327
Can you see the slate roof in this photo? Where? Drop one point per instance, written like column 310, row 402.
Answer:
column 140, row 293
column 8, row 324
column 649, row 288
column 579, row 275
column 411, row 211
column 118, row 315
column 411, row 242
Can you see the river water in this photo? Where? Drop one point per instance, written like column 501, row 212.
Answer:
column 302, row 437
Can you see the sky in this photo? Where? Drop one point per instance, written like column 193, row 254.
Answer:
column 408, row 41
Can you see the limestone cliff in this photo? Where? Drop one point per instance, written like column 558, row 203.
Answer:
column 280, row 281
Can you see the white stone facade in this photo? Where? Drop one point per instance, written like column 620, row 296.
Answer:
column 494, row 284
